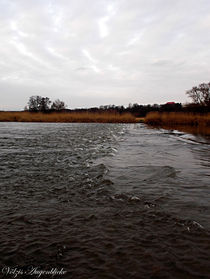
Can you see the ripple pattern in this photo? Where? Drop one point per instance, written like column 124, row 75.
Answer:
column 88, row 198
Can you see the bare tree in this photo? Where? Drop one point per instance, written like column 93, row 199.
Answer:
column 200, row 94
column 38, row 103
column 45, row 104
column 58, row 105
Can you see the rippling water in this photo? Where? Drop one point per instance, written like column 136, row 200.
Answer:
column 104, row 201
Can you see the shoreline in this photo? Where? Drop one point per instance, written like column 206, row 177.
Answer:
column 67, row 117
column 194, row 123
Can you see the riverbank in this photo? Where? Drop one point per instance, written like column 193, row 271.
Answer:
column 195, row 123
column 63, row 117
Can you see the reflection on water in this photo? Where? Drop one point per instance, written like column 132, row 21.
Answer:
column 104, row 200
column 200, row 131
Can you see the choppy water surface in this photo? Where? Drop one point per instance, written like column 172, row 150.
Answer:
column 104, row 201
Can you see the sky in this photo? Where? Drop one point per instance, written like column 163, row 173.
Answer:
column 89, row 53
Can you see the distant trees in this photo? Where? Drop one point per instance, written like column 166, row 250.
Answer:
column 42, row 104
column 58, row 105
column 34, row 103
column 200, row 94
column 38, row 103
column 135, row 109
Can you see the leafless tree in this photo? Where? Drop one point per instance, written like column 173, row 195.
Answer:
column 38, row 103
column 58, row 105
column 200, row 94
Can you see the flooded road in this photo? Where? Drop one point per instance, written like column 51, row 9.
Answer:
column 103, row 201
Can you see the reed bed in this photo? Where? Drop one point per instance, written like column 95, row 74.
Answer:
column 180, row 120
column 68, row 117
column 177, row 118
column 195, row 130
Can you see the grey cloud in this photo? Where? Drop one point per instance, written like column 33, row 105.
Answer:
column 90, row 52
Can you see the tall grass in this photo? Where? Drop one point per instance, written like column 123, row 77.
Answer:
column 180, row 120
column 177, row 118
column 103, row 117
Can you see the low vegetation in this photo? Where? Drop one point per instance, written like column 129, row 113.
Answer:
column 106, row 117
column 178, row 120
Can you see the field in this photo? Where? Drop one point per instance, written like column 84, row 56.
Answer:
column 86, row 117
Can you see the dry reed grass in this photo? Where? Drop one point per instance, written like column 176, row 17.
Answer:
column 200, row 122
column 140, row 119
column 178, row 118
column 86, row 117
column 195, row 130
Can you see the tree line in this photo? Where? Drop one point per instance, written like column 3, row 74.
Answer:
column 200, row 96
column 44, row 104
column 200, row 103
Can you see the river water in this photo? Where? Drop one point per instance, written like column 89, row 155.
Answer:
column 103, row 201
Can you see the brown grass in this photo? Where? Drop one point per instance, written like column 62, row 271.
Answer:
column 104, row 117
column 140, row 119
column 196, row 130
column 180, row 121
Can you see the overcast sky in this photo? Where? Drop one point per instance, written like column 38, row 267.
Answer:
column 97, row 52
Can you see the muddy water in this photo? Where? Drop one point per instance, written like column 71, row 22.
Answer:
column 103, row 201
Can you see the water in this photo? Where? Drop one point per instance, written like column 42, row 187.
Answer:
column 103, row 201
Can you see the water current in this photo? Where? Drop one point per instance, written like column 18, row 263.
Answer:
column 103, row 201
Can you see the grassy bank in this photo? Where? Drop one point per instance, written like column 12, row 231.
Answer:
column 199, row 123
column 86, row 117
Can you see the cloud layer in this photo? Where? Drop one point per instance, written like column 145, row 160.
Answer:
column 95, row 52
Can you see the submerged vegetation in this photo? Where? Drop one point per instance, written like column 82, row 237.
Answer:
column 102, row 117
